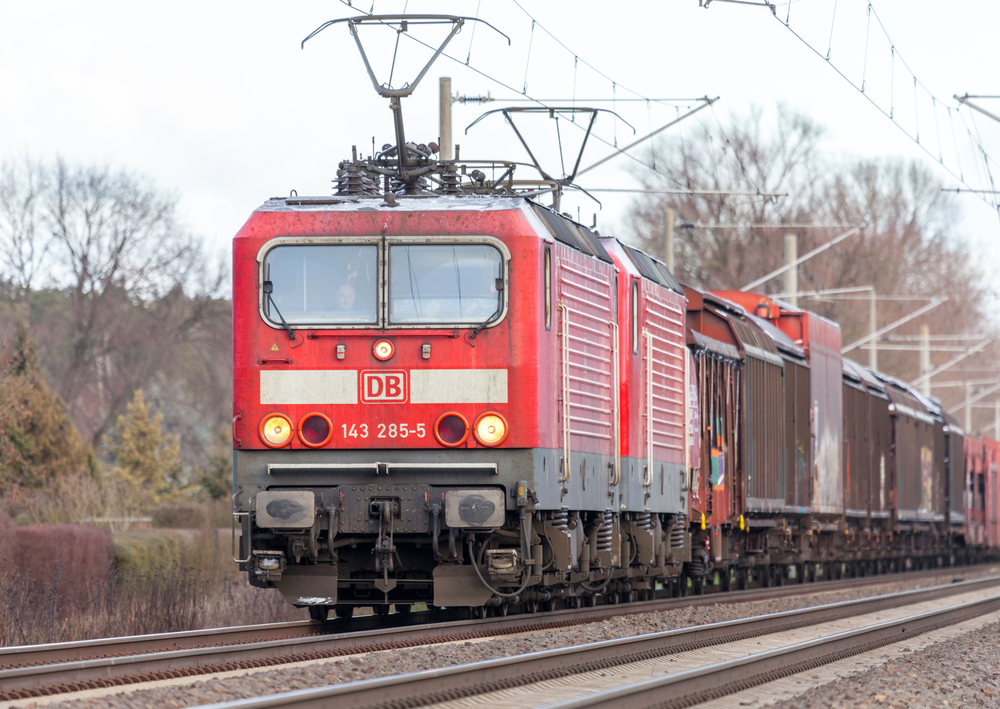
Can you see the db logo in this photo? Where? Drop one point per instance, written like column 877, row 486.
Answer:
column 383, row 386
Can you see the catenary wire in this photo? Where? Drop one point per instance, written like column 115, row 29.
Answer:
column 894, row 54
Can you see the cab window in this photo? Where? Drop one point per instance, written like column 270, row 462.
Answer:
column 452, row 284
column 321, row 284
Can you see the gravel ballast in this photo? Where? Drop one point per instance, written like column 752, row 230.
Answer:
column 255, row 683
column 964, row 672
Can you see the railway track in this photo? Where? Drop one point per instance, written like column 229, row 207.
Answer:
column 66, row 667
column 584, row 676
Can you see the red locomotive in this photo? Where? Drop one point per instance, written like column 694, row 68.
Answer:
column 447, row 393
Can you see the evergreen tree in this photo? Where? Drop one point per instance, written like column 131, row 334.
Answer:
column 146, row 459
column 38, row 441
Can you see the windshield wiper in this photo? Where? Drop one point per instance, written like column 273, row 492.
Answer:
column 496, row 313
column 268, row 287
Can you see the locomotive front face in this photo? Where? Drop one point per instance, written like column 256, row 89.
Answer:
column 376, row 359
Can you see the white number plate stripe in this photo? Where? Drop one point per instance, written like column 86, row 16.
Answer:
column 311, row 386
column 427, row 386
column 458, row 386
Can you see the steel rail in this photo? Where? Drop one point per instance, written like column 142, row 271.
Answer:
column 190, row 653
column 419, row 625
column 450, row 683
column 61, row 652
column 720, row 679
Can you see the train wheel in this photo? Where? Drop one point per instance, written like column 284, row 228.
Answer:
column 380, row 609
column 800, row 573
column 725, row 579
column 779, row 575
column 319, row 612
column 741, row 579
column 811, row 572
column 343, row 611
column 764, row 574
column 403, row 608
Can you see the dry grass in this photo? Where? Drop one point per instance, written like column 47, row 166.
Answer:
column 160, row 581
column 190, row 516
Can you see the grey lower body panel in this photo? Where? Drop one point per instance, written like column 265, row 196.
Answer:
column 333, row 528
column 587, row 486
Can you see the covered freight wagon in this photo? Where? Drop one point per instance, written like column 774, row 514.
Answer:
column 867, row 448
column 915, row 479
column 820, row 339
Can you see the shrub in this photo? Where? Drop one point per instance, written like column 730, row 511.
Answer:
column 220, row 513
column 191, row 516
column 146, row 554
column 8, row 541
column 161, row 581
column 62, row 561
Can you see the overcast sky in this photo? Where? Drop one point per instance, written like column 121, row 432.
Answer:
column 218, row 103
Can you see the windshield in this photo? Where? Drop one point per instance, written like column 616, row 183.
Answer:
column 321, row 284
column 444, row 284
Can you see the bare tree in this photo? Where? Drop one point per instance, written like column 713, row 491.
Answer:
column 118, row 247
column 24, row 243
column 738, row 158
column 908, row 245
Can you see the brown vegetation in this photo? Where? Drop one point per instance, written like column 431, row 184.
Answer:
column 180, row 517
column 155, row 582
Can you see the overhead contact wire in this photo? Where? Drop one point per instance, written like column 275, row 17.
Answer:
column 891, row 114
column 561, row 44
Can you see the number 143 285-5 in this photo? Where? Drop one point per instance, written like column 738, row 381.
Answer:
column 384, row 430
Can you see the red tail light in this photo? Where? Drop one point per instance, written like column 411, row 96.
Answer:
column 315, row 430
column 451, row 429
